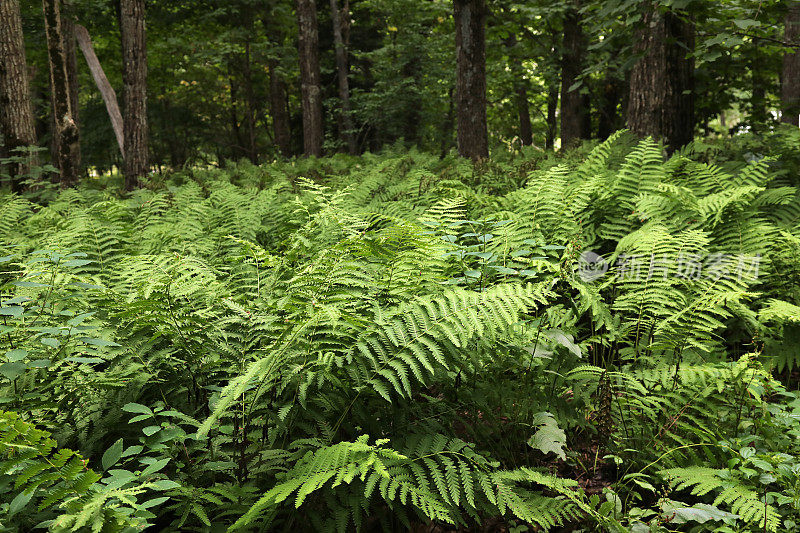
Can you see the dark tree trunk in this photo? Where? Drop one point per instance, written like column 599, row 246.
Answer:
column 680, row 68
column 16, row 110
column 346, row 127
column 308, row 48
column 524, row 112
column 71, row 57
column 790, row 77
column 134, row 77
column 71, row 54
column 470, row 20
column 552, row 117
column 661, row 101
column 521, row 93
column 573, row 103
column 279, row 110
column 103, row 85
column 66, row 130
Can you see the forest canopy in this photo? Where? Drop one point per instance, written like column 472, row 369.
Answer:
column 400, row 265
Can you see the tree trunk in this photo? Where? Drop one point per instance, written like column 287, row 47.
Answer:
column 71, row 53
column 472, row 133
column 66, row 130
column 661, row 102
column 347, row 129
column 308, row 48
column 573, row 110
column 103, row 85
column 790, row 77
column 134, row 78
column 279, row 110
column 16, row 110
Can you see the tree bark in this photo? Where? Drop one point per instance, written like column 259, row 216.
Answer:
column 66, row 130
column 16, row 109
column 661, row 101
column 71, row 53
column 345, row 117
column 308, row 48
column 573, row 103
column 790, row 77
column 103, row 85
column 472, row 132
column 134, row 78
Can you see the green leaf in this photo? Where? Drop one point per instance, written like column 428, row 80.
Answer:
column 13, row 370
column 19, row 502
column 549, row 438
column 151, row 430
column 164, row 484
column 155, row 467
column 565, row 340
column 51, row 342
column 746, row 23
column 112, row 455
column 133, row 450
column 77, row 263
column 155, row 502
column 16, row 355
column 12, row 311
column 504, row 270
column 137, row 408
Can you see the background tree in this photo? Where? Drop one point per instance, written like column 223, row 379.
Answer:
column 308, row 46
column 470, row 21
column 790, row 74
column 661, row 102
column 66, row 134
column 343, row 71
column 103, row 85
column 574, row 111
column 16, row 112
column 134, row 75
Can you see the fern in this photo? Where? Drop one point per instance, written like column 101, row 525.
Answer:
column 741, row 499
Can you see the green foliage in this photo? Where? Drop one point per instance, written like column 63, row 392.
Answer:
column 403, row 341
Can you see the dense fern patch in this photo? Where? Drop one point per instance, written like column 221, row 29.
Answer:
column 606, row 341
